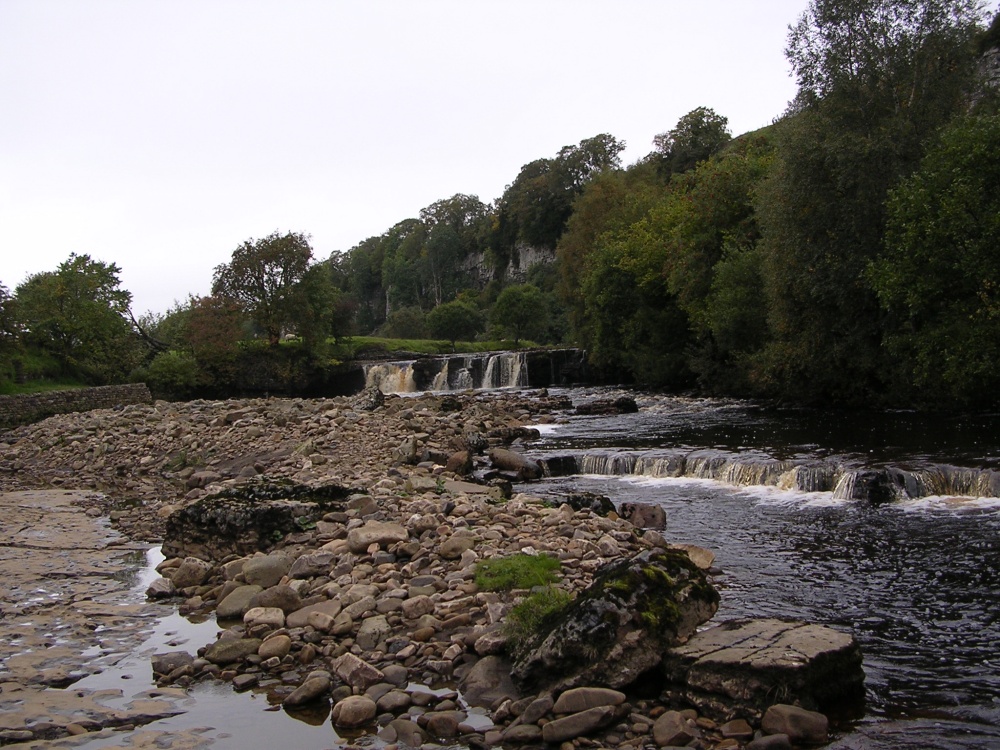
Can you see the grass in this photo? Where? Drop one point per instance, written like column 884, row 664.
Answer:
column 526, row 620
column 9, row 388
column 518, row 571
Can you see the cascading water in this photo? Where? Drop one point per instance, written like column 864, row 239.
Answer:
column 458, row 373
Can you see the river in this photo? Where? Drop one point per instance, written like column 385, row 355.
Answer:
column 917, row 580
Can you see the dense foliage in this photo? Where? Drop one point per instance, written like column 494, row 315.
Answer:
column 846, row 254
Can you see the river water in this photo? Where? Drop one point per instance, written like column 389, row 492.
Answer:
column 916, row 580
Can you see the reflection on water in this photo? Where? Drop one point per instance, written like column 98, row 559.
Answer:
column 917, row 582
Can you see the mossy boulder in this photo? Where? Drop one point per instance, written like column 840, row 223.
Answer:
column 620, row 626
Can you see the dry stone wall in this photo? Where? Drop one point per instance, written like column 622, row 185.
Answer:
column 27, row 408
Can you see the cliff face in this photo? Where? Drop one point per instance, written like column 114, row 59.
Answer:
column 522, row 258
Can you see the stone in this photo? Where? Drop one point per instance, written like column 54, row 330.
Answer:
column 245, row 681
column 267, row 570
column 417, row 607
column 801, row 726
column 191, row 572
column 736, row 668
column 644, row 515
column 407, row 733
column 770, row 742
column 522, row 734
column 444, row 724
column 488, row 682
column 507, row 460
column 279, row 646
column 619, row 627
column 460, row 463
column 737, row 729
column 537, row 709
column 356, row 672
column 620, row 405
column 300, row 617
column 375, row 532
column 453, row 547
column 164, row 664
column 231, row 650
column 353, row 711
column 161, row 588
column 394, row 702
column 282, row 597
column 674, row 730
column 580, row 699
column 579, row 724
column 703, row 558
column 312, row 565
column 315, row 687
column 270, row 617
column 372, row 631
column 237, row 603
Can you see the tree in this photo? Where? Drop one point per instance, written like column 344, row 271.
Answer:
column 262, row 279
column 877, row 79
column 521, row 310
column 697, row 135
column 80, row 314
column 454, row 320
column 939, row 275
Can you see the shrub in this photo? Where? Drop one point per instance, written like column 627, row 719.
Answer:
column 518, row 571
column 173, row 374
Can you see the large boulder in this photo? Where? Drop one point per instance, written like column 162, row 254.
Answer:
column 524, row 468
column 246, row 519
column 741, row 667
column 619, row 627
column 620, row 405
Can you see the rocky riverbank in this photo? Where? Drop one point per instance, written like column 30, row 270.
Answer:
column 360, row 594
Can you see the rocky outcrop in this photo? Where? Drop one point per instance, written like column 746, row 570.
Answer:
column 619, row 627
column 741, row 667
column 620, row 405
column 248, row 519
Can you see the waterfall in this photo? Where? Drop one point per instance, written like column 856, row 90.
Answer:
column 391, row 377
column 506, row 370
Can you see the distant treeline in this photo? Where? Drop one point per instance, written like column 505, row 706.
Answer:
column 847, row 254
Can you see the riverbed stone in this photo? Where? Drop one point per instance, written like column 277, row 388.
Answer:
column 356, row 672
column 191, row 572
column 578, row 724
column 236, row 604
column 736, row 668
column 488, row 681
column 281, row 596
column 353, row 711
column 278, row 646
column 580, row 699
column 300, row 617
column 270, row 617
column 801, row 726
column 315, row 687
column 375, row 532
column 229, row 650
column 266, row 570
column 619, row 626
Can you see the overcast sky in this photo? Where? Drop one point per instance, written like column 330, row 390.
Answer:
column 160, row 135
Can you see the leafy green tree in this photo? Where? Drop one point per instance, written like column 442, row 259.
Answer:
column 213, row 329
column 262, row 279
column 454, row 320
column 697, row 135
column 939, row 276
column 877, row 78
column 405, row 323
column 520, row 309
column 80, row 314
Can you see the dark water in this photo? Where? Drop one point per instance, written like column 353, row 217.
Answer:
column 917, row 582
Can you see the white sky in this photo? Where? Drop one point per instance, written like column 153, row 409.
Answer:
column 159, row 135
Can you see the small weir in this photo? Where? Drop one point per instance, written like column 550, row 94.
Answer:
column 876, row 484
column 456, row 373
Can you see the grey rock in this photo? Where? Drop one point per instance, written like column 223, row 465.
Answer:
column 580, row 699
column 237, row 603
column 161, row 588
column 737, row 668
column 231, row 650
column 619, row 626
column 267, row 570
column 191, row 572
column 353, row 711
column 372, row 631
column 375, row 532
column 300, row 617
column 488, row 682
column 281, row 597
column 672, row 729
column 801, row 726
column 313, row 689
column 164, row 664
column 577, row 725
column 356, row 672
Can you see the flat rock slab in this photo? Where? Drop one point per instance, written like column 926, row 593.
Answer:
column 743, row 666
column 66, row 613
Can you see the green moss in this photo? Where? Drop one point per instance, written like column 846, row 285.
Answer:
column 516, row 572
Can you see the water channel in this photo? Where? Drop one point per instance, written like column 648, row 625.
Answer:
column 916, row 580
